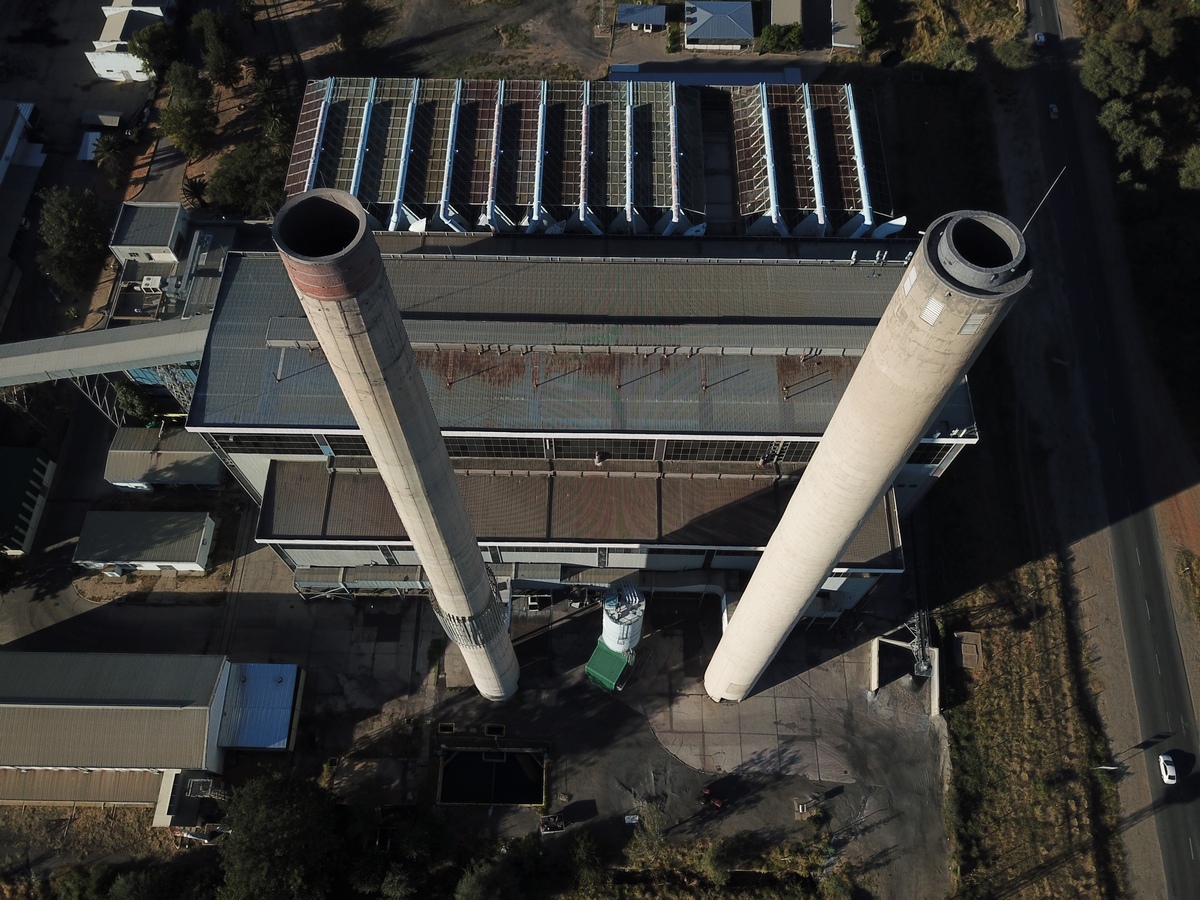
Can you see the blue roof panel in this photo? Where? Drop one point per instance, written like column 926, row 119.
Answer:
column 258, row 706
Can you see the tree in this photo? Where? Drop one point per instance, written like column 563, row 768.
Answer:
column 192, row 191
column 220, row 46
column 132, row 402
column 189, row 120
column 284, row 842
column 1189, row 172
column 111, row 153
column 781, row 38
column 249, row 180
column 157, row 46
column 75, row 235
column 1111, row 67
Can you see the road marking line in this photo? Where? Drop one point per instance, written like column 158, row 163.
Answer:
column 1158, row 663
column 1138, row 553
column 1147, row 603
column 1193, row 849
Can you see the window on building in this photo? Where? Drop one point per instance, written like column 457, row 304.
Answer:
column 720, row 451
column 302, row 444
column 347, row 444
column 505, row 447
column 616, row 448
column 929, row 454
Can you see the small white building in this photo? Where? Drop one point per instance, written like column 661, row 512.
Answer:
column 145, row 541
column 149, row 232
column 110, row 56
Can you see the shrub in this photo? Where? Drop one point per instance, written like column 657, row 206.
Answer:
column 781, row 38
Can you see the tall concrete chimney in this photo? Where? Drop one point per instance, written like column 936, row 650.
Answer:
column 961, row 281
column 335, row 267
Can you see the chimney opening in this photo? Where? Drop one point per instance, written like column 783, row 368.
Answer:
column 318, row 226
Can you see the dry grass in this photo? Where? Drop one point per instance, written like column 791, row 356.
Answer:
column 84, row 834
column 1187, row 570
column 1029, row 814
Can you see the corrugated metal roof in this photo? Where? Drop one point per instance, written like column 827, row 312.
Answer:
column 49, row 736
column 258, row 706
column 105, row 710
column 142, row 455
column 145, row 224
column 304, row 503
column 111, row 350
column 671, row 303
column 715, row 21
column 640, row 14
column 606, row 666
column 99, row 679
column 163, row 537
column 78, row 786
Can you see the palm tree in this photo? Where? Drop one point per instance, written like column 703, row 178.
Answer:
column 111, row 153
column 193, row 190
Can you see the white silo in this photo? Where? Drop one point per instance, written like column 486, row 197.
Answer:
column 624, row 610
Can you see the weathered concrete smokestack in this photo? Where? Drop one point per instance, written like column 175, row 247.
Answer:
column 961, row 281
column 335, row 267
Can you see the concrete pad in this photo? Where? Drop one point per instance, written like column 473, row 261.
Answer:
column 292, row 639
column 722, row 752
column 384, row 667
column 455, row 667
column 798, row 757
column 832, row 766
column 687, row 748
column 657, row 710
column 360, row 665
column 758, row 714
column 247, row 643
column 722, row 717
column 330, row 640
column 388, row 648
column 687, row 713
column 793, row 715
column 760, row 754
column 284, row 656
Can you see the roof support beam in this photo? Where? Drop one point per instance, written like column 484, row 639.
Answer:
column 494, row 169
column 629, row 153
column 398, row 210
column 677, row 218
column 861, row 164
column 819, row 224
column 536, row 213
column 312, row 160
column 447, row 215
column 773, row 212
column 362, row 139
column 630, row 220
column 586, row 219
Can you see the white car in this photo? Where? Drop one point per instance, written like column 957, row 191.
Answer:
column 1166, row 768
column 1053, row 110
column 1040, row 39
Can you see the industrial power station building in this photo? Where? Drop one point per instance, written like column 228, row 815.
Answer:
column 634, row 307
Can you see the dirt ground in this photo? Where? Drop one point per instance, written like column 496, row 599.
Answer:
column 489, row 39
column 43, row 838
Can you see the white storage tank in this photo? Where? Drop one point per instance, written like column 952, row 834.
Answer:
column 624, row 609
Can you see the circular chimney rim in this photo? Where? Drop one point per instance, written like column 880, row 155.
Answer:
column 980, row 250
column 321, row 225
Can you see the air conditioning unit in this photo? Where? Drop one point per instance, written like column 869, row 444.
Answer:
column 152, row 283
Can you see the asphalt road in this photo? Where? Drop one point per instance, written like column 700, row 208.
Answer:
column 1161, row 690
